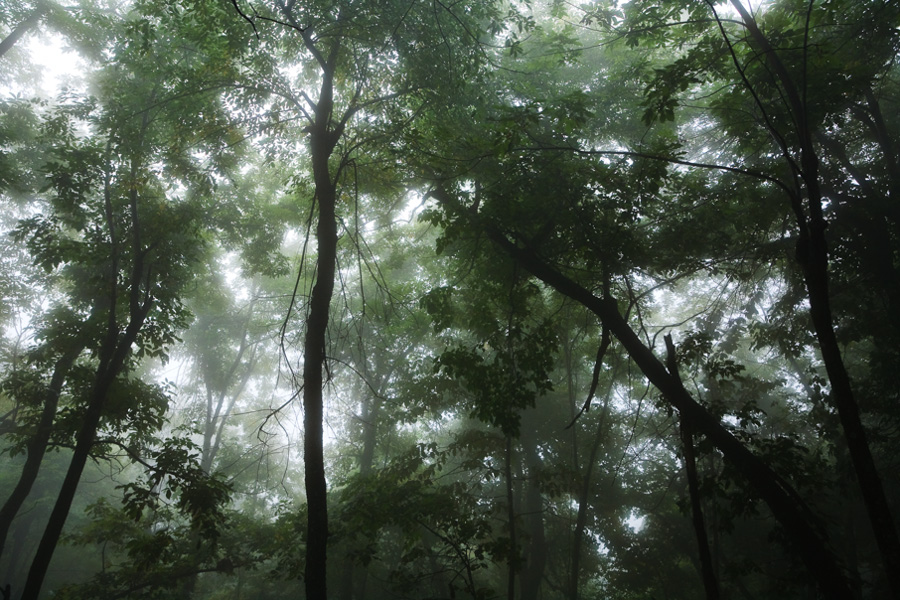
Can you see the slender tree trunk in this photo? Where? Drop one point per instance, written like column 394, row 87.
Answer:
column 114, row 350
column 584, row 499
column 353, row 579
column 19, row 546
column 218, row 412
column 690, row 467
column 29, row 23
column 37, row 446
column 322, row 142
column 512, row 563
column 366, row 462
column 535, row 552
column 710, row 585
column 370, row 435
column 84, row 440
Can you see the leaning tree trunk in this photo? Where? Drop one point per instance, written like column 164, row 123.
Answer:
column 785, row 504
column 36, row 446
column 114, row 350
column 84, row 441
column 27, row 24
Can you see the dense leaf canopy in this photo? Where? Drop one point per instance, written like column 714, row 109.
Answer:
column 369, row 299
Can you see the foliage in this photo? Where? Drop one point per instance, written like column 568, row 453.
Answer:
column 501, row 174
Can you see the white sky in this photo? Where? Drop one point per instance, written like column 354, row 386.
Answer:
column 56, row 65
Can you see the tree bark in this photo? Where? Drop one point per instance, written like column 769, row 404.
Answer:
column 786, row 506
column 113, row 351
column 710, row 585
column 323, row 139
column 812, row 253
column 37, row 445
column 707, row 570
column 512, row 562
column 84, row 440
column 584, row 495
column 535, row 543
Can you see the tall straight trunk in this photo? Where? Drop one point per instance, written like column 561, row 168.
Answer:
column 584, row 494
column 710, row 585
column 37, row 445
column 220, row 403
column 323, row 139
column 353, row 580
column 512, row 563
column 783, row 501
column 707, row 570
column 812, row 254
column 535, row 552
column 324, row 133
column 370, row 435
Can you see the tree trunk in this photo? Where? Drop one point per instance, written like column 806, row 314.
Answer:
column 37, row 445
column 370, row 435
column 114, row 350
column 20, row 543
column 710, row 585
column 107, row 372
column 584, row 500
column 535, row 551
column 322, row 142
column 812, row 253
column 512, row 562
column 784, row 502
column 353, row 580
column 29, row 23
column 690, row 466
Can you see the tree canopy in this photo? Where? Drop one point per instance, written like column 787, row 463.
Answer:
column 365, row 299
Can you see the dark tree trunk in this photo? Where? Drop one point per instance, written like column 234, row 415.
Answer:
column 690, row 466
column 535, row 543
column 584, row 496
column 107, row 372
column 710, row 585
column 784, row 502
column 37, row 446
column 323, row 139
column 113, row 352
column 512, row 563
column 812, row 253
column 324, row 133
column 353, row 580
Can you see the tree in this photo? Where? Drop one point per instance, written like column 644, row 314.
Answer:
column 798, row 124
column 597, row 180
column 359, row 99
column 505, row 212
column 131, row 253
column 29, row 21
